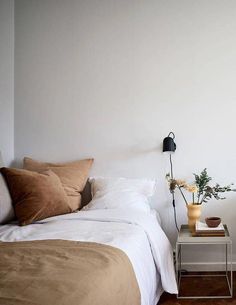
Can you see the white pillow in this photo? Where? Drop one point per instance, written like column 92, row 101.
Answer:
column 120, row 193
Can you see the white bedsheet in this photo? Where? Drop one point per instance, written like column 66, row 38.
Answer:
column 139, row 235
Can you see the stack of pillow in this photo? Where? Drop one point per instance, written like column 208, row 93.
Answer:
column 42, row 190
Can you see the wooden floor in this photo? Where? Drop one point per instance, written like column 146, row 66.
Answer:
column 203, row 286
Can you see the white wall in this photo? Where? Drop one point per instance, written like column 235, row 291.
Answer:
column 7, row 80
column 109, row 79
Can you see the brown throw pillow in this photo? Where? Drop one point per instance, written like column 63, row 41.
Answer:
column 35, row 196
column 73, row 176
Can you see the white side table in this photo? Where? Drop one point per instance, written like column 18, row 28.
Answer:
column 186, row 239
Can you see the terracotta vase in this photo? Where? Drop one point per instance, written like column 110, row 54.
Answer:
column 194, row 213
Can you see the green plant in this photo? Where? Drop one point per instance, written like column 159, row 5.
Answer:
column 201, row 182
column 201, row 190
column 207, row 192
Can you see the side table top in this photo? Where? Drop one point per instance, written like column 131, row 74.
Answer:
column 185, row 237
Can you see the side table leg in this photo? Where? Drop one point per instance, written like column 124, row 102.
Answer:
column 231, row 270
column 229, row 273
column 177, row 266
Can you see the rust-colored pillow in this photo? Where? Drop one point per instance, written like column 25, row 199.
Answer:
column 73, row 176
column 35, row 195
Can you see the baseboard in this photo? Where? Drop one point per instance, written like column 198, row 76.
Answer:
column 214, row 266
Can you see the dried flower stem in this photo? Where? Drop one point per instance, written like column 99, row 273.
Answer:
column 186, row 202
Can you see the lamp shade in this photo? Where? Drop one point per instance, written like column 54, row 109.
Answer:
column 169, row 145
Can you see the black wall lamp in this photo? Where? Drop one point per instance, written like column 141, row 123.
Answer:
column 169, row 144
column 169, row 147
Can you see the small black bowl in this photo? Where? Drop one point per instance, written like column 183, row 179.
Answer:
column 213, row 222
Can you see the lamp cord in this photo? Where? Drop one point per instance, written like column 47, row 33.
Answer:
column 173, row 195
column 171, row 168
column 175, row 217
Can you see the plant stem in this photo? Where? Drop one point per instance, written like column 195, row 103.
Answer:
column 186, row 202
column 198, row 197
column 203, row 197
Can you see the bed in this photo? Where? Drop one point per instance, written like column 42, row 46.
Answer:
column 136, row 235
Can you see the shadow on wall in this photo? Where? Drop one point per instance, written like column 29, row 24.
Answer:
column 131, row 153
column 17, row 163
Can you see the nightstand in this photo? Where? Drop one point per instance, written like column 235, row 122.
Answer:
column 184, row 240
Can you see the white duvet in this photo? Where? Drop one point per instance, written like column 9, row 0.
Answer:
column 138, row 234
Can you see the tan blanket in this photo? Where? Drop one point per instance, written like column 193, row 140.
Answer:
column 60, row 272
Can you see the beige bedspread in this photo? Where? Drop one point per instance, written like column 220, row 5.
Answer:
column 65, row 272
